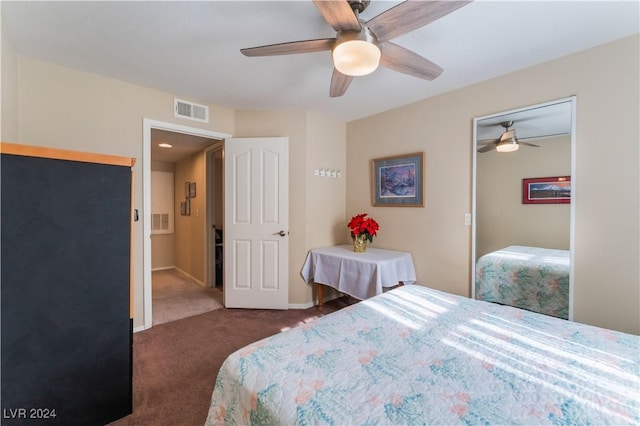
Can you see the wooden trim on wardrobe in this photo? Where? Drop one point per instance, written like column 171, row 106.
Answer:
column 63, row 154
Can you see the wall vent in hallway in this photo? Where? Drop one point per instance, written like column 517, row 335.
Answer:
column 159, row 221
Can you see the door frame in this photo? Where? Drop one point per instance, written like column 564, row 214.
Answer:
column 210, row 169
column 147, row 125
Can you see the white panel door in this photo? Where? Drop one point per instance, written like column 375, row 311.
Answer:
column 256, row 223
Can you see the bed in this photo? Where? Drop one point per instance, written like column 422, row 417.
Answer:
column 415, row 355
column 531, row 278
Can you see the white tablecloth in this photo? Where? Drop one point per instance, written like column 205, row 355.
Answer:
column 361, row 275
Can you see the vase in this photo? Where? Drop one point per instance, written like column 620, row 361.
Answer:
column 360, row 244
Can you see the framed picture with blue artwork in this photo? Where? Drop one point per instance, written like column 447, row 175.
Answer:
column 398, row 181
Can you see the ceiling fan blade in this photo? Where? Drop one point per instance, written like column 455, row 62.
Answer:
column 338, row 14
column 405, row 61
column 552, row 135
column 486, row 141
column 304, row 46
column 487, row 148
column 339, row 83
column 507, row 135
column 410, row 15
column 527, row 143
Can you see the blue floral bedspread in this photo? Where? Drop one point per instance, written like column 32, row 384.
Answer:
column 419, row 356
column 532, row 278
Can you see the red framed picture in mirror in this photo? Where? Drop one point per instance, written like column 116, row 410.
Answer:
column 546, row 190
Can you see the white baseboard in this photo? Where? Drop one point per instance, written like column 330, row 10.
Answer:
column 163, row 268
column 190, row 276
column 313, row 303
column 301, row 305
column 139, row 328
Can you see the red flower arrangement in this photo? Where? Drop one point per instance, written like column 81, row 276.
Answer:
column 360, row 224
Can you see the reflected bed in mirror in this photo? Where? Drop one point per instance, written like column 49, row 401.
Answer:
column 531, row 278
column 517, row 246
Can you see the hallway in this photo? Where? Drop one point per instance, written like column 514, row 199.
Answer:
column 177, row 296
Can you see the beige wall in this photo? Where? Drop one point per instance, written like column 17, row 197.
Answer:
column 58, row 107
column 605, row 80
column 502, row 220
column 9, row 78
column 326, row 197
column 70, row 109
column 163, row 245
column 190, row 231
column 315, row 208
column 326, row 148
column 435, row 235
column 163, row 253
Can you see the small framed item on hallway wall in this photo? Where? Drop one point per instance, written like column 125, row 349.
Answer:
column 183, row 208
column 187, row 189
column 192, row 190
column 398, row 181
column 548, row 190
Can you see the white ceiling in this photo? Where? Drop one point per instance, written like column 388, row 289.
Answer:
column 182, row 145
column 192, row 49
column 537, row 121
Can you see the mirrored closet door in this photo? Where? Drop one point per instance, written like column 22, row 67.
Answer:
column 522, row 210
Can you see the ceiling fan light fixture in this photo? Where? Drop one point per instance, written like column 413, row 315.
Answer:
column 507, row 146
column 356, row 53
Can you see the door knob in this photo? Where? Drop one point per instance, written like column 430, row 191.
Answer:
column 281, row 233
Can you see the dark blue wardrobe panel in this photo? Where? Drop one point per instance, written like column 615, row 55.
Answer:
column 66, row 331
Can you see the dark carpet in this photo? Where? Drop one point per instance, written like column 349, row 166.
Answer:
column 175, row 364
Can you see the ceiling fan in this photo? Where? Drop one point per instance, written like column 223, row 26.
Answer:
column 507, row 142
column 359, row 47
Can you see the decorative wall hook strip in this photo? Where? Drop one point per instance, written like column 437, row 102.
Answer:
column 327, row 172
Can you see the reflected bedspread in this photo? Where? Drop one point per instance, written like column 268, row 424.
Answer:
column 531, row 278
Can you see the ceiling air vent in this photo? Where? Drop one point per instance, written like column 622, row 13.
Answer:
column 190, row 111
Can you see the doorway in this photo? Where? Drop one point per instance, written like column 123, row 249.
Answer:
column 214, row 172
column 148, row 126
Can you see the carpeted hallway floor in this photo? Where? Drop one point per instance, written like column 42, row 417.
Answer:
column 177, row 296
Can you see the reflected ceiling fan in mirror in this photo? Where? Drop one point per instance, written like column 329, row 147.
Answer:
column 359, row 47
column 507, row 142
